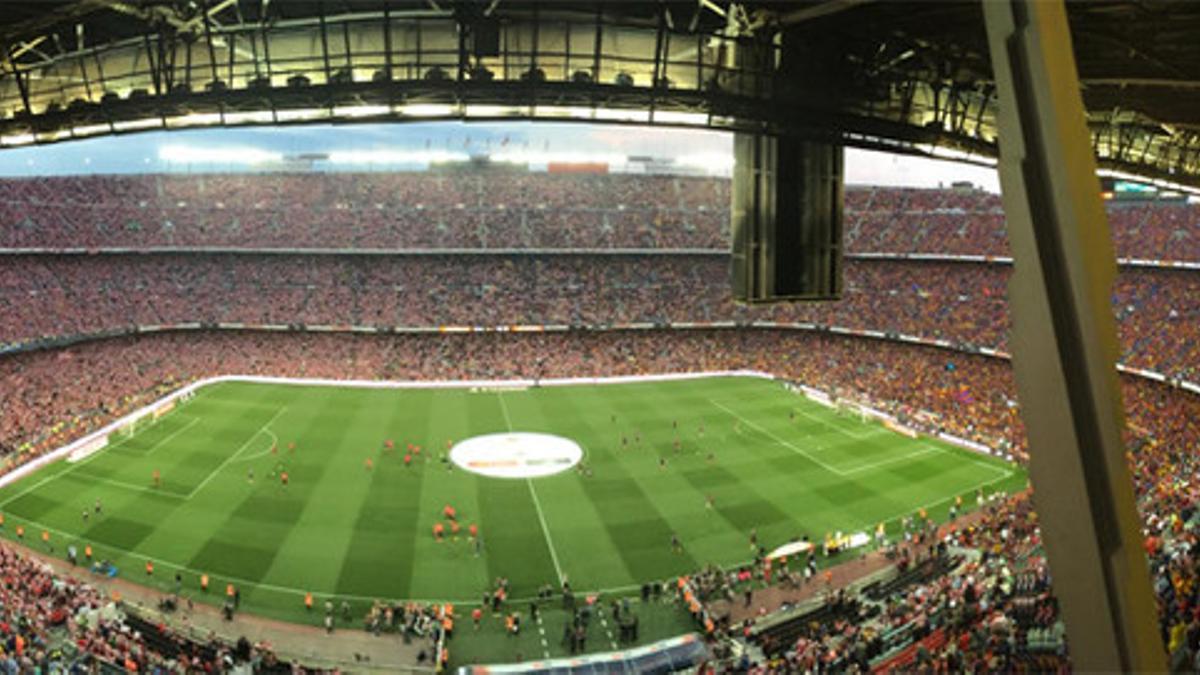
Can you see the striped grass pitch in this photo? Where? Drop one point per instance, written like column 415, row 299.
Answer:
column 768, row 459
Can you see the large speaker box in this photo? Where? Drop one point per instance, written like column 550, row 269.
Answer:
column 786, row 219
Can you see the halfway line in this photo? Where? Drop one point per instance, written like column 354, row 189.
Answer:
column 537, row 504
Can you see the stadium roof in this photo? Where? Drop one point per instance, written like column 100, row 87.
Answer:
column 905, row 76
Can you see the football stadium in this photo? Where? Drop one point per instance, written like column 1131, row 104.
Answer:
column 493, row 336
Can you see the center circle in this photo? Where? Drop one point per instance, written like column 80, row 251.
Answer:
column 516, row 454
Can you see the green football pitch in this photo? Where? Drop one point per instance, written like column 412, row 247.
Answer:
column 767, row 458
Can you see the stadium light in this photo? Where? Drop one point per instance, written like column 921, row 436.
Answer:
column 228, row 155
column 301, row 114
column 89, row 130
column 426, row 110
column 527, row 157
column 479, row 110
column 1156, row 182
column 16, row 139
column 136, row 125
column 360, row 110
column 397, row 157
column 194, row 119
column 677, row 117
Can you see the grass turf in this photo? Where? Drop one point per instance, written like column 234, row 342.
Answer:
column 781, row 464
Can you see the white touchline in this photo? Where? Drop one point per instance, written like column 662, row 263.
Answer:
column 800, row 451
column 62, row 473
column 234, row 455
column 537, row 504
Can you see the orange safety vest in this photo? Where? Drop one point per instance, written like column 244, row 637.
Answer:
column 308, row 600
column 204, row 582
column 229, row 590
column 149, row 567
column 87, row 550
column 21, row 531
column 45, row 535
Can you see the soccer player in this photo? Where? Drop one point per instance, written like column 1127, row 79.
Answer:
column 662, row 463
column 754, row 539
column 449, row 512
column 274, row 447
column 283, row 478
column 291, row 446
column 369, row 464
column 85, row 514
column 439, row 531
column 675, row 545
column 407, row 459
column 157, row 478
column 98, row 506
column 473, row 530
column 708, row 502
column 250, row 475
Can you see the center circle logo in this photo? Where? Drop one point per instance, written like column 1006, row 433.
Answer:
column 516, row 454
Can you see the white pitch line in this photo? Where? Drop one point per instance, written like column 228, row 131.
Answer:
column 261, row 453
column 546, row 531
column 178, row 431
column 131, row 486
column 800, row 451
column 537, row 503
column 504, row 409
column 62, row 473
column 234, row 455
column 82, row 462
column 860, row 435
column 929, row 450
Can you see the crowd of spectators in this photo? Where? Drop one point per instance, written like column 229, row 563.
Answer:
column 985, row 613
column 470, row 210
column 973, row 595
column 963, row 303
column 506, row 209
column 52, row 622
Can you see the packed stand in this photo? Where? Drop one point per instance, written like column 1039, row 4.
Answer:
column 378, row 211
column 965, row 304
column 57, row 623
column 502, row 209
column 972, row 595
